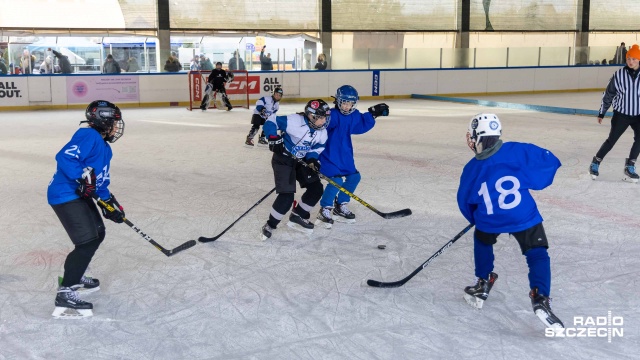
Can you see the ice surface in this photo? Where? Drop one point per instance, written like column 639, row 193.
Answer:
column 181, row 174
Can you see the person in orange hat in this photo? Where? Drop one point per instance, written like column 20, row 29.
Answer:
column 622, row 91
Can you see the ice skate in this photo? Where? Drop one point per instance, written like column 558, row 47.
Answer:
column 266, row 232
column 542, row 309
column 630, row 174
column 262, row 141
column 343, row 214
column 477, row 294
column 296, row 222
column 87, row 285
column 324, row 217
column 249, row 141
column 70, row 306
column 593, row 168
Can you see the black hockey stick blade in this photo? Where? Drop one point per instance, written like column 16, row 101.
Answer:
column 395, row 214
column 184, row 246
column 210, row 239
column 394, row 284
column 177, row 249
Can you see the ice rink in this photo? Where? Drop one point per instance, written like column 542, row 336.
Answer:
column 181, row 175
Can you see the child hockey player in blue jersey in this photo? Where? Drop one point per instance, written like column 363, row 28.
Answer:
column 494, row 195
column 265, row 107
column 337, row 158
column 83, row 166
column 301, row 136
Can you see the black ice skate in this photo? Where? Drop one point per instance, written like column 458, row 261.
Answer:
column 630, row 174
column 343, row 214
column 542, row 309
column 262, row 141
column 593, row 168
column 296, row 222
column 87, row 285
column 70, row 306
column 477, row 294
column 324, row 217
column 249, row 141
column 266, row 232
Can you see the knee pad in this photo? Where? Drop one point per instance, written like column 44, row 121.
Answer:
column 313, row 193
column 283, row 202
column 485, row 238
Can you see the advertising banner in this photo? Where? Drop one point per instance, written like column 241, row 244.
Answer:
column 114, row 88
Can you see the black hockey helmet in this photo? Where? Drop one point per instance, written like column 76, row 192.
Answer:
column 315, row 109
column 105, row 116
column 278, row 90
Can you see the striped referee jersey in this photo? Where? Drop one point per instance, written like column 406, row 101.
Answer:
column 623, row 92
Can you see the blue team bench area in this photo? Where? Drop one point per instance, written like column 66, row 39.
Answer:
column 508, row 105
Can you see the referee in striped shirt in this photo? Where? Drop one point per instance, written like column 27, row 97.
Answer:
column 623, row 92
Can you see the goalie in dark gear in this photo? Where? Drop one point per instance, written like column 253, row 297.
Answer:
column 215, row 84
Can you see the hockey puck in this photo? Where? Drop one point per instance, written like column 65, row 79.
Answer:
column 382, row 247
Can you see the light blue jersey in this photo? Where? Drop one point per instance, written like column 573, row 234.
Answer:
column 299, row 139
column 86, row 148
column 266, row 103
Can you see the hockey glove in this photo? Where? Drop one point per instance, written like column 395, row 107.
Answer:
column 276, row 144
column 313, row 164
column 264, row 113
column 379, row 110
column 117, row 215
column 87, row 183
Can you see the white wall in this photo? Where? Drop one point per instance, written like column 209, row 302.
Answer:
column 28, row 92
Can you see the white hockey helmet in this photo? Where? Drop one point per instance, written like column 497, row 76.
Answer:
column 481, row 127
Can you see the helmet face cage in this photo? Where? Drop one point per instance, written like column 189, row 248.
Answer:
column 276, row 91
column 347, row 94
column 481, row 126
column 106, row 118
column 316, row 109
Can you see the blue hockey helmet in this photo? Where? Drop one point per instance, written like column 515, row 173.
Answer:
column 346, row 94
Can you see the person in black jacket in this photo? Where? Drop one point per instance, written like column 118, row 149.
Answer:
column 215, row 83
column 265, row 61
column 63, row 61
column 236, row 62
column 622, row 91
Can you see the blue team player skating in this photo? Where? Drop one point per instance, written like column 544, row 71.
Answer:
column 494, row 195
column 83, row 167
column 337, row 158
column 299, row 136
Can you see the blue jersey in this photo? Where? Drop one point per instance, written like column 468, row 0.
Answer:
column 337, row 157
column 86, row 148
column 494, row 192
column 299, row 139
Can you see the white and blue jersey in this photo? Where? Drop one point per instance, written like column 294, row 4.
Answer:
column 86, row 148
column 266, row 103
column 494, row 192
column 299, row 139
column 337, row 157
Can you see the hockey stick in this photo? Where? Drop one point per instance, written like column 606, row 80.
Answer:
column 399, row 283
column 206, row 239
column 173, row 251
column 390, row 215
